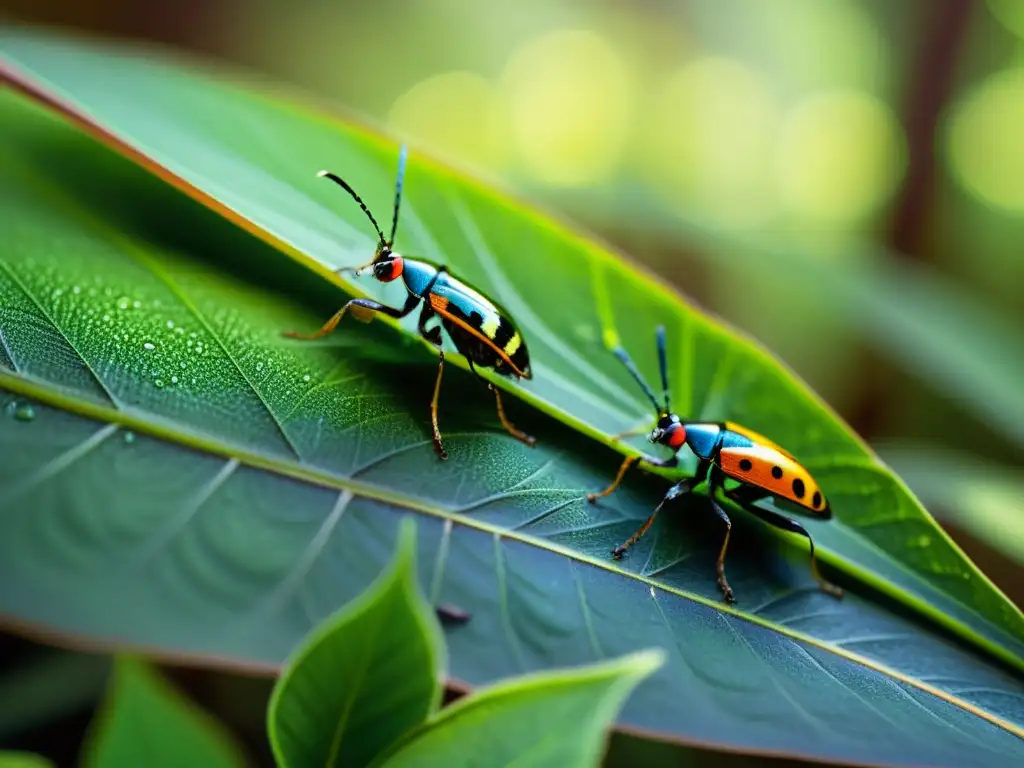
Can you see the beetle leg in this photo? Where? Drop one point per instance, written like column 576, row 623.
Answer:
column 723, row 583
column 746, row 496
column 511, row 428
column 628, row 462
column 681, row 488
column 433, row 335
column 438, row 445
column 640, row 429
column 410, row 304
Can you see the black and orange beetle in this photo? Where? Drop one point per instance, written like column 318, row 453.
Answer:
column 479, row 328
column 725, row 450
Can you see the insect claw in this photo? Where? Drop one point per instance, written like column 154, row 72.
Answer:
column 618, row 552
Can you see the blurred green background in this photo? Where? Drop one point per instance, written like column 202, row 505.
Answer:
column 841, row 179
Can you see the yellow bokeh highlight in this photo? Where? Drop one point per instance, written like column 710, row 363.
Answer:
column 459, row 114
column 710, row 134
column 985, row 139
column 841, row 156
column 1009, row 13
column 569, row 101
column 822, row 43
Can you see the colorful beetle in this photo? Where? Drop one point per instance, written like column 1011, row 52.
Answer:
column 725, row 450
column 479, row 329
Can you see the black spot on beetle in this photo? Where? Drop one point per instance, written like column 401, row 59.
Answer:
column 798, row 488
column 816, row 501
column 777, row 473
column 745, row 465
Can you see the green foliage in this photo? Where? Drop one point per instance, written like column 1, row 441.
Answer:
column 366, row 676
column 981, row 497
column 371, row 675
column 23, row 760
column 144, row 722
column 554, row 720
column 210, row 488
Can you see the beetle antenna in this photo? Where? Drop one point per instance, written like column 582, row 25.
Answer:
column 628, row 362
column 398, row 192
column 344, row 185
column 663, row 364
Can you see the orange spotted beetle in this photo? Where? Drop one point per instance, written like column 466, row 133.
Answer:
column 479, row 328
column 725, row 450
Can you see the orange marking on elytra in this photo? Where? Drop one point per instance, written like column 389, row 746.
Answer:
column 439, row 304
column 754, row 466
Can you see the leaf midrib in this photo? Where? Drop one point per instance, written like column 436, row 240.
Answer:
column 46, row 393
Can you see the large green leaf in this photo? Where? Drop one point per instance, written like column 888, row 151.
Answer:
column 173, row 476
column 254, row 158
column 515, row 722
column 368, row 675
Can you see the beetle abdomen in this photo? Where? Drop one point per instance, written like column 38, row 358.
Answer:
column 481, row 318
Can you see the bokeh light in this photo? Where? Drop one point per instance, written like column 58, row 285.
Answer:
column 822, row 44
column 984, row 140
column 710, row 134
column 459, row 114
column 570, row 105
column 841, row 156
column 1009, row 13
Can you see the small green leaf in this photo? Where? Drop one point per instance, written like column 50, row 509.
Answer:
column 367, row 676
column 556, row 719
column 145, row 723
column 23, row 760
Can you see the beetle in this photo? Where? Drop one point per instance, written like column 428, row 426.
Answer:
column 724, row 450
column 480, row 329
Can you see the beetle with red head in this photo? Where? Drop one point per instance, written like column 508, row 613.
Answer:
column 480, row 329
column 725, row 450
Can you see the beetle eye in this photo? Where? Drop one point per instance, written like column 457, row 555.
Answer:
column 675, row 436
column 388, row 269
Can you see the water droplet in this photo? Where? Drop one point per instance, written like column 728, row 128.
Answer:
column 106, row 318
column 182, row 363
column 174, row 379
column 129, row 437
column 24, row 412
column 259, row 366
column 159, row 383
column 170, row 323
column 306, row 377
column 147, row 345
column 122, row 303
column 136, row 304
column 76, row 289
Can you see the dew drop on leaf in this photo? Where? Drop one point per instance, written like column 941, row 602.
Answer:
column 129, row 437
column 24, row 412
